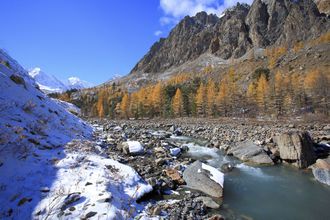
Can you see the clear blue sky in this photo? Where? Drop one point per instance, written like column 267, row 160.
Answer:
column 91, row 39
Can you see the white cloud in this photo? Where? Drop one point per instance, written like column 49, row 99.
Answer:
column 176, row 9
column 158, row 33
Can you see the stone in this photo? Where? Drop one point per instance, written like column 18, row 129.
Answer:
column 175, row 151
column 204, row 178
column 208, row 202
column 296, row 148
column 90, row 214
column 23, row 201
column 250, row 152
column 321, row 170
column 156, row 211
column 71, row 198
column 132, row 147
column 175, row 176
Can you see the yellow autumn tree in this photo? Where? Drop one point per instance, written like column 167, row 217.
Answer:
column 262, row 93
column 317, row 89
column 211, row 94
column 222, row 98
column 201, row 100
column 157, row 99
column 278, row 94
column 124, row 106
column 100, row 100
column 177, row 104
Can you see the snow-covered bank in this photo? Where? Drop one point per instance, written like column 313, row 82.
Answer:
column 33, row 131
column 102, row 188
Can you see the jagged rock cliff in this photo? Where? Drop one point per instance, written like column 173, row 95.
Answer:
column 264, row 23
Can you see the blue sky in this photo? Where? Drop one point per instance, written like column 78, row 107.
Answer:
column 91, row 39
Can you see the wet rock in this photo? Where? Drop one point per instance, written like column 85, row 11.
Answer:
column 321, row 170
column 227, row 167
column 204, row 178
column 250, row 152
column 296, row 148
column 175, row 176
column 208, row 202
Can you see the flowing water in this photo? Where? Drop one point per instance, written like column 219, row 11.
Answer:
column 275, row 192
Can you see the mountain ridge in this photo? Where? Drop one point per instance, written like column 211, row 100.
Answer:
column 50, row 84
column 241, row 28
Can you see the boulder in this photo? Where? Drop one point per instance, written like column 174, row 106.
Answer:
column 250, row 152
column 296, row 148
column 132, row 147
column 321, row 170
column 204, row 178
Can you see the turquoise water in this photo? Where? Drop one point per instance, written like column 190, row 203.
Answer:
column 277, row 192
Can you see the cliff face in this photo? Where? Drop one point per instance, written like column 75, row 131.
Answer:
column 264, row 23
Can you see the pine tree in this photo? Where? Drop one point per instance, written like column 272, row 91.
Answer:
column 177, row 104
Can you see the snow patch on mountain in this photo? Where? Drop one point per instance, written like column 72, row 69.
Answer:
column 50, row 84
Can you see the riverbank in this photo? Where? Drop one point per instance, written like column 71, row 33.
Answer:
column 162, row 157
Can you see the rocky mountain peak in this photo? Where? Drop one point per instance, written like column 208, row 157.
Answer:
column 264, row 23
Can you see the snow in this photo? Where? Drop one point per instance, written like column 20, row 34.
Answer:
column 50, row 84
column 68, row 106
column 40, row 172
column 175, row 151
column 134, row 147
column 106, row 178
column 215, row 174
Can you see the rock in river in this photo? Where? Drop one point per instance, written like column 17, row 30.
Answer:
column 204, row 178
column 321, row 170
column 250, row 152
column 296, row 148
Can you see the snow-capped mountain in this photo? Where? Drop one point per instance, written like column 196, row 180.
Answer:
column 76, row 83
column 50, row 84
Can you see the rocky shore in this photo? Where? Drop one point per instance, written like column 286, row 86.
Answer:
column 154, row 149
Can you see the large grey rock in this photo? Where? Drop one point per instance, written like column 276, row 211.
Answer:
column 321, row 170
column 250, row 152
column 204, row 178
column 296, row 148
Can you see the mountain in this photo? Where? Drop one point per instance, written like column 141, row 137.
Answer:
column 50, row 84
column 76, row 83
column 47, row 83
column 265, row 23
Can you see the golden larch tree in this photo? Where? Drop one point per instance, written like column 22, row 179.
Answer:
column 177, row 103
